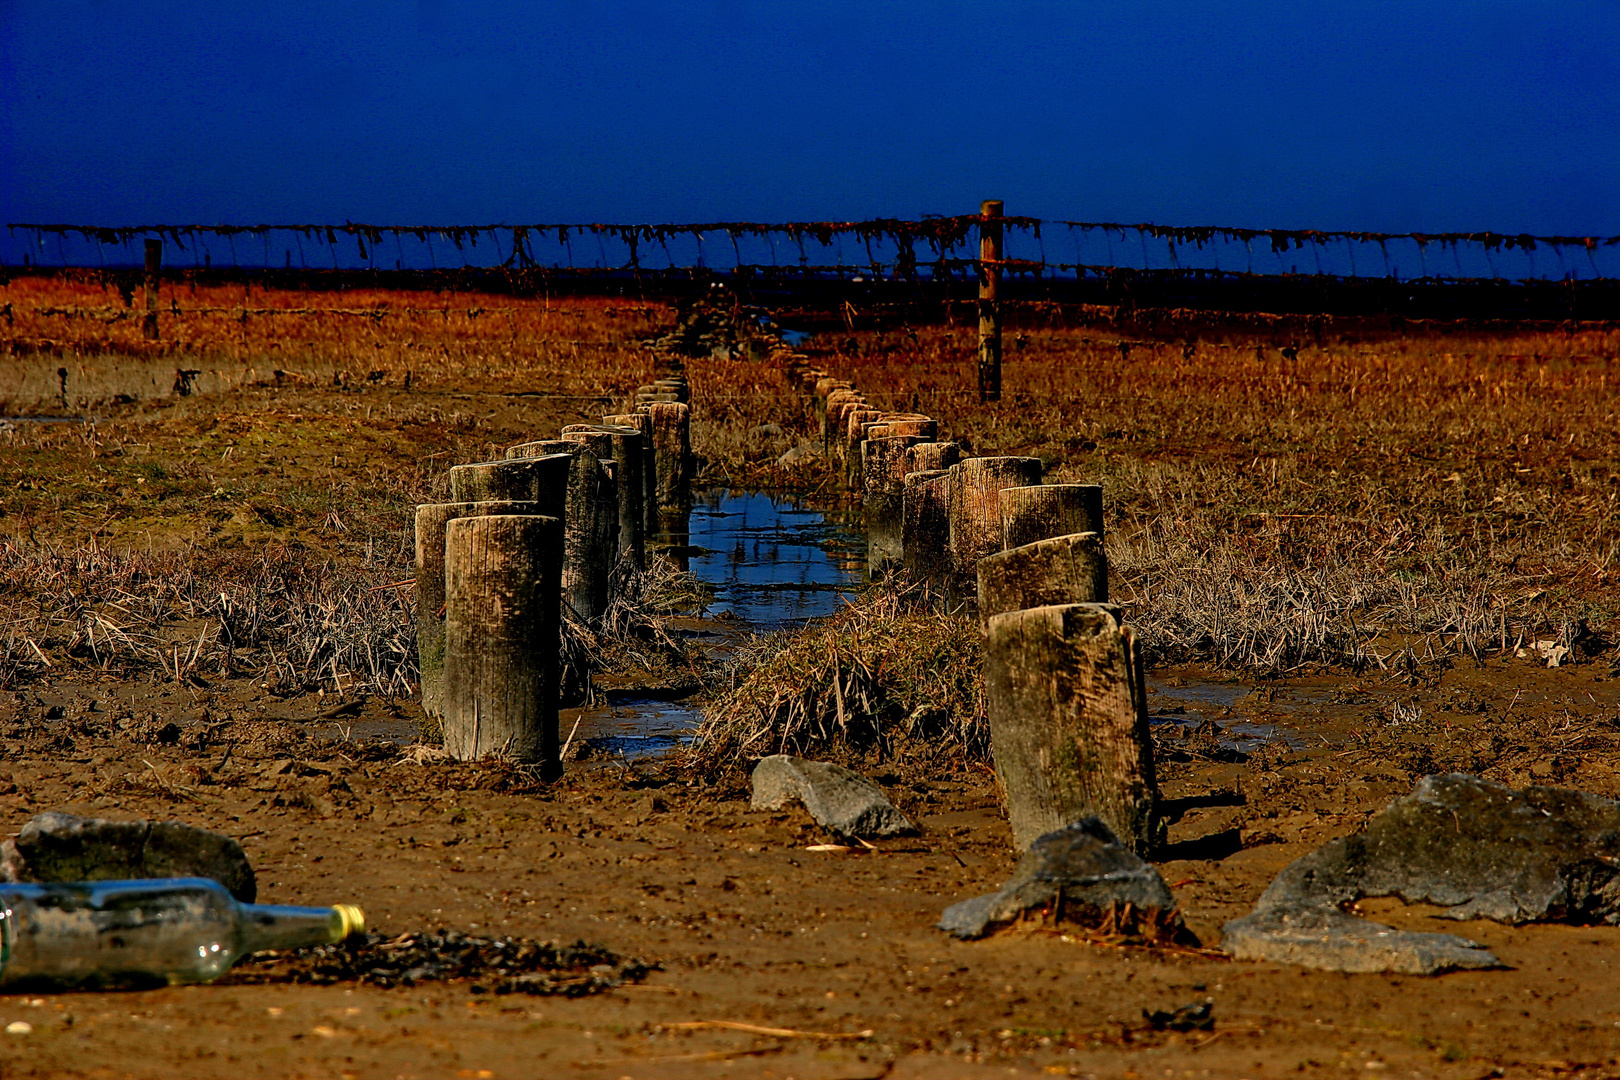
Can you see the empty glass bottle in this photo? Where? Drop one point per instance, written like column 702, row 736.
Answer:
column 129, row 934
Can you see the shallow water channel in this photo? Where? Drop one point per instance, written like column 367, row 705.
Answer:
column 773, row 564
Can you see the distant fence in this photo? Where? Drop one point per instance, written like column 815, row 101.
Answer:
column 1294, row 270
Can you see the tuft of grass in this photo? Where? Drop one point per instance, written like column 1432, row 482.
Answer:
column 886, row 676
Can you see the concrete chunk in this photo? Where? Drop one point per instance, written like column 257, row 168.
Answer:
column 1475, row 847
column 1084, row 863
column 843, row 801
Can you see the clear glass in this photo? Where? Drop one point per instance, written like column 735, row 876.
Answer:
column 128, row 934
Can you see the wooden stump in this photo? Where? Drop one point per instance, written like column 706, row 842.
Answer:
column 590, row 537
column 501, row 646
column 976, row 512
column 823, row 391
column 1029, row 514
column 1058, row 570
column 431, row 520
column 925, row 528
column 672, row 442
column 1068, row 723
column 929, row 456
column 542, row 448
column 883, row 471
column 642, row 422
column 543, row 480
column 622, row 444
column 677, row 385
column 855, row 422
column 835, row 419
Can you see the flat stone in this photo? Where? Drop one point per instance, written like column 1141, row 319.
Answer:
column 843, row 801
column 1330, row 940
column 1475, row 847
column 1084, row 863
column 63, row 847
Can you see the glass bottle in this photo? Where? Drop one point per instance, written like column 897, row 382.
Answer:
column 127, row 934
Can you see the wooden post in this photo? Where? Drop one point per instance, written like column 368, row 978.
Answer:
column 622, row 443
column 925, row 525
column 835, row 422
column 928, row 456
column 976, row 512
column 1068, row 723
column 1029, row 514
column 989, row 300
column 154, row 267
column 1057, row 570
column 543, row 480
column 672, row 441
column 883, row 470
column 590, row 536
column 642, row 422
column 830, row 414
column 431, row 521
column 855, row 421
column 541, row 448
column 501, row 662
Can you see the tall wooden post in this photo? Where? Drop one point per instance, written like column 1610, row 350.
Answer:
column 502, row 578
column 989, row 301
column 154, row 265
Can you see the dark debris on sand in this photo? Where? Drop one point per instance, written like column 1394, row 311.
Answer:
column 491, row 965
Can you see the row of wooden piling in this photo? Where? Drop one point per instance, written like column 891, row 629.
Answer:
column 1064, row 676
column 548, row 533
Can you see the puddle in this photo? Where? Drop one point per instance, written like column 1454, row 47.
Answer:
column 774, row 564
column 1190, row 702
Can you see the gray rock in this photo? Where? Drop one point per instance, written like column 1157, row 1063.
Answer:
column 63, row 847
column 1330, row 940
column 1083, row 862
column 843, row 801
column 1477, row 848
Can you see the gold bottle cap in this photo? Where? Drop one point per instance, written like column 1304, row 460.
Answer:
column 351, row 920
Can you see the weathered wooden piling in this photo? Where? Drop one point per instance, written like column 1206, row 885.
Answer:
column 925, row 527
column 502, row 578
column 1033, row 513
column 928, row 456
column 590, row 536
column 677, row 385
column 976, row 511
column 642, row 422
column 831, row 417
column 883, row 471
column 822, row 393
column 855, row 421
column 672, row 442
column 540, row 448
column 431, row 520
column 1057, row 570
column 542, row 479
column 622, row 444
column 1068, row 723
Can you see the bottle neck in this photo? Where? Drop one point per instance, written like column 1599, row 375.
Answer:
column 279, row 926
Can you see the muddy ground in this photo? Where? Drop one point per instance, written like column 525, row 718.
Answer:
column 746, row 924
column 834, row 952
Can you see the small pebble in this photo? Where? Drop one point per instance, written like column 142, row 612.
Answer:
column 19, row 1027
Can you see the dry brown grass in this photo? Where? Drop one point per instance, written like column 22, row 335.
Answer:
column 1359, row 501
column 885, row 676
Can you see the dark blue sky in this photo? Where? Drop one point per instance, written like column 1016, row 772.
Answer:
column 1363, row 115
